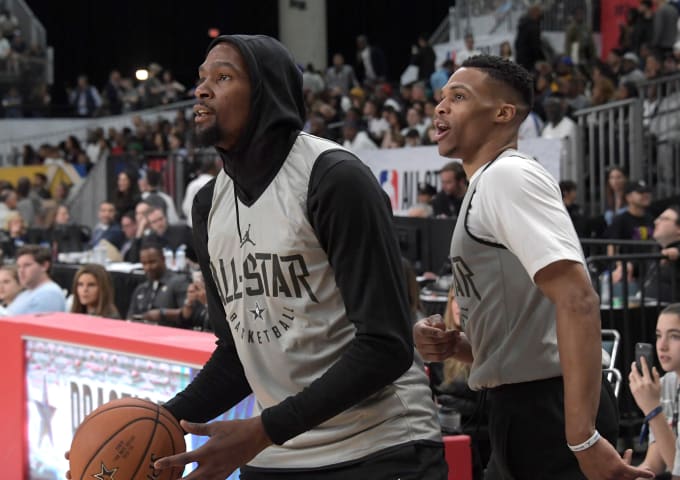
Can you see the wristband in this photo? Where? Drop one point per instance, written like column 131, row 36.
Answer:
column 644, row 431
column 587, row 444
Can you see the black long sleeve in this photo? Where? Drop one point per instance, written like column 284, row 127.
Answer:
column 352, row 219
column 222, row 383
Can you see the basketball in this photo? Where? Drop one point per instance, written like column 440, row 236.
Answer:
column 122, row 439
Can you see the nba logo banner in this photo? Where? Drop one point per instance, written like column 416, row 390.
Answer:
column 389, row 181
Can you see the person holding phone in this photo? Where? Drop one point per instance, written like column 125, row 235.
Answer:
column 658, row 397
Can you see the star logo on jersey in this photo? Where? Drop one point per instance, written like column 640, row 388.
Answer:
column 246, row 238
column 106, row 474
column 257, row 312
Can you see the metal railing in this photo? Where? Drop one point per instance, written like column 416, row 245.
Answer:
column 607, row 135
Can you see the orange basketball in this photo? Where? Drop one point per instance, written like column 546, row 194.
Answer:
column 122, row 439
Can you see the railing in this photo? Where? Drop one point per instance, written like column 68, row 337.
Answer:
column 607, row 135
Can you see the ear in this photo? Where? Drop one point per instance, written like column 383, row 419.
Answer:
column 506, row 113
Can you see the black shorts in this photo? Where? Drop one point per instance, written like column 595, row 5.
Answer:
column 417, row 461
column 526, row 429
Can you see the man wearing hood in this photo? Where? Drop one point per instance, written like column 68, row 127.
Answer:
column 303, row 276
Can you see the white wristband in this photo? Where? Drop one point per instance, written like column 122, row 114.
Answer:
column 585, row 445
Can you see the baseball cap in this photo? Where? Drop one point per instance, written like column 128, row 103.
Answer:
column 639, row 186
column 632, row 57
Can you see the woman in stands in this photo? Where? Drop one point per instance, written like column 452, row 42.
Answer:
column 615, row 197
column 658, row 397
column 93, row 292
column 13, row 235
column 127, row 195
column 9, row 284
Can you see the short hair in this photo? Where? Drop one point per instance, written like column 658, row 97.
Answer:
column 153, row 177
column 676, row 209
column 508, row 73
column 39, row 254
column 567, row 186
column 12, row 270
column 672, row 309
column 152, row 242
column 129, row 215
column 154, row 200
column 456, row 168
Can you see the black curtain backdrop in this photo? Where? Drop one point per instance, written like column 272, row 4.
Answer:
column 94, row 37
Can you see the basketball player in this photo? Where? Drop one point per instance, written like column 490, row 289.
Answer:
column 305, row 292
column 528, row 310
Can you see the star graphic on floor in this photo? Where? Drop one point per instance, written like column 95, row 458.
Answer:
column 46, row 412
column 106, row 474
column 257, row 312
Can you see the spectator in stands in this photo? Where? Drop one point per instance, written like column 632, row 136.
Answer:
column 158, row 299
column 658, row 397
column 41, row 294
column 62, row 190
column 29, row 205
column 505, row 51
column 376, row 123
column 312, row 80
column 615, row 197
column 664, row 27
column 63, row 216
column 12, row 103
column 40, row 101
column 578, row 39
column 150, row 185
column 40, row 186
column 107, row 228
column 9, row 284
column 423, row 57
column 72, row 148
column 82, row 165
column 93, row 292
column 356, row 139
column 85, row 99
column 670, row 64
column 8, row 204
column 151, row 89
column 127, row 194
column 439, row 78
column 340, row 75
column 642, row 25
column 17, row 233
column 194, row 312
column 636, row 223
column 172, row 236
column 630, row 69
column 454, row 185
column 172, row 89
column 423, row 205
column 625, row 91
column 210, row 166
column 468, row 50
column 128, row 224
column 528, row 39
column 604, row 84
column 569, row 194
column 371, row 62
column 662, row 278
column 113, row 93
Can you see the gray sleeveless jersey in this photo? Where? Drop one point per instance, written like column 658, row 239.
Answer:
column 510, row 324
column 289, row 324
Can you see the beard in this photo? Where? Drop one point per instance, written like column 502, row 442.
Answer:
column 208, row 136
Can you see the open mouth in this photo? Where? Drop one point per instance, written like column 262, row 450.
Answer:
column 441, row 129
column 201, row 114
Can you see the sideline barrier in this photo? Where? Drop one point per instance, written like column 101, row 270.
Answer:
column 59, row 367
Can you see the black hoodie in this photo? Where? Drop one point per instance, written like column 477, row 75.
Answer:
column 351, row 217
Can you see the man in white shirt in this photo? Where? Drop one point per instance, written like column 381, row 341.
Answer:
column 40, row 293
column 560, row 126
column 209, row 168
column 356, row 139
column 469, row 51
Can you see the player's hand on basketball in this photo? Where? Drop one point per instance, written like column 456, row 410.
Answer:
column 645, row 386
column 231, row 445
column 602, row 462
column 433, row 341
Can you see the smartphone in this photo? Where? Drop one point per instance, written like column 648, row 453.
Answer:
column 644, row 350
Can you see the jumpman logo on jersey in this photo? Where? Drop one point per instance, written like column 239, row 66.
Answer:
column 246, row 238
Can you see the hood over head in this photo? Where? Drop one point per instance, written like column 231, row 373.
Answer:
column 277, row 113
